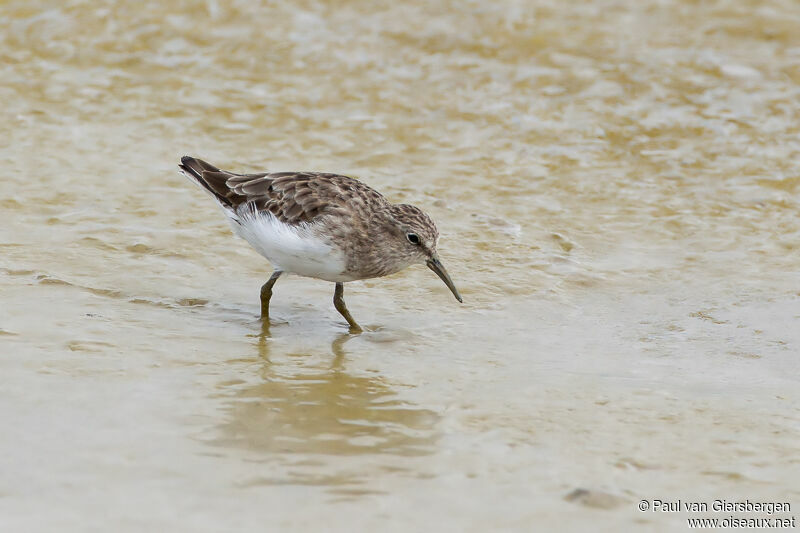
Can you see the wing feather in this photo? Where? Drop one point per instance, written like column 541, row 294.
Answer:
column 292, row 197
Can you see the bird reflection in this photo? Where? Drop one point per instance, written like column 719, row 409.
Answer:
column 301, row 408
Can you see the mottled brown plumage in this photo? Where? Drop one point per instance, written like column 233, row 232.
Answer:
column 321, row 225
column 293, row 197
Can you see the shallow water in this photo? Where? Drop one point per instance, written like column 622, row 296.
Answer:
column 617, row 189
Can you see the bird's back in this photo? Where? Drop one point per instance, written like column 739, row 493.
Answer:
column 292, row 197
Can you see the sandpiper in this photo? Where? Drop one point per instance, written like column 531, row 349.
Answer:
column 321, row 225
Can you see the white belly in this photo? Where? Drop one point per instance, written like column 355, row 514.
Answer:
column 292, row 249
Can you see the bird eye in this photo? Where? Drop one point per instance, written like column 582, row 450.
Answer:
column 413, row 238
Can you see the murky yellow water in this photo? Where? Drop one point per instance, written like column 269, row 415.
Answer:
column 618, row 189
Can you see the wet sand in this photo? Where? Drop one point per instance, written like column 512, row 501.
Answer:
column 617, row 190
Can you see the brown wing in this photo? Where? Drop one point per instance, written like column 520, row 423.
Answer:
column 293, row 197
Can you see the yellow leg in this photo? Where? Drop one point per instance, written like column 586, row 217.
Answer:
column 338, row 302
column 266, row 293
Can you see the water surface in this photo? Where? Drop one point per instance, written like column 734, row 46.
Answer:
column 616, row 185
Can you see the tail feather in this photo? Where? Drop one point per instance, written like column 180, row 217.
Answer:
column 211, row 179
column 196, row 166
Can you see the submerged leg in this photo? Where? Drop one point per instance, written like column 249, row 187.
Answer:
column 266, row 293
column 338, row 302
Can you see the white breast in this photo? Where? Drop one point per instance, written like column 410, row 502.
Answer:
column 292, row 249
